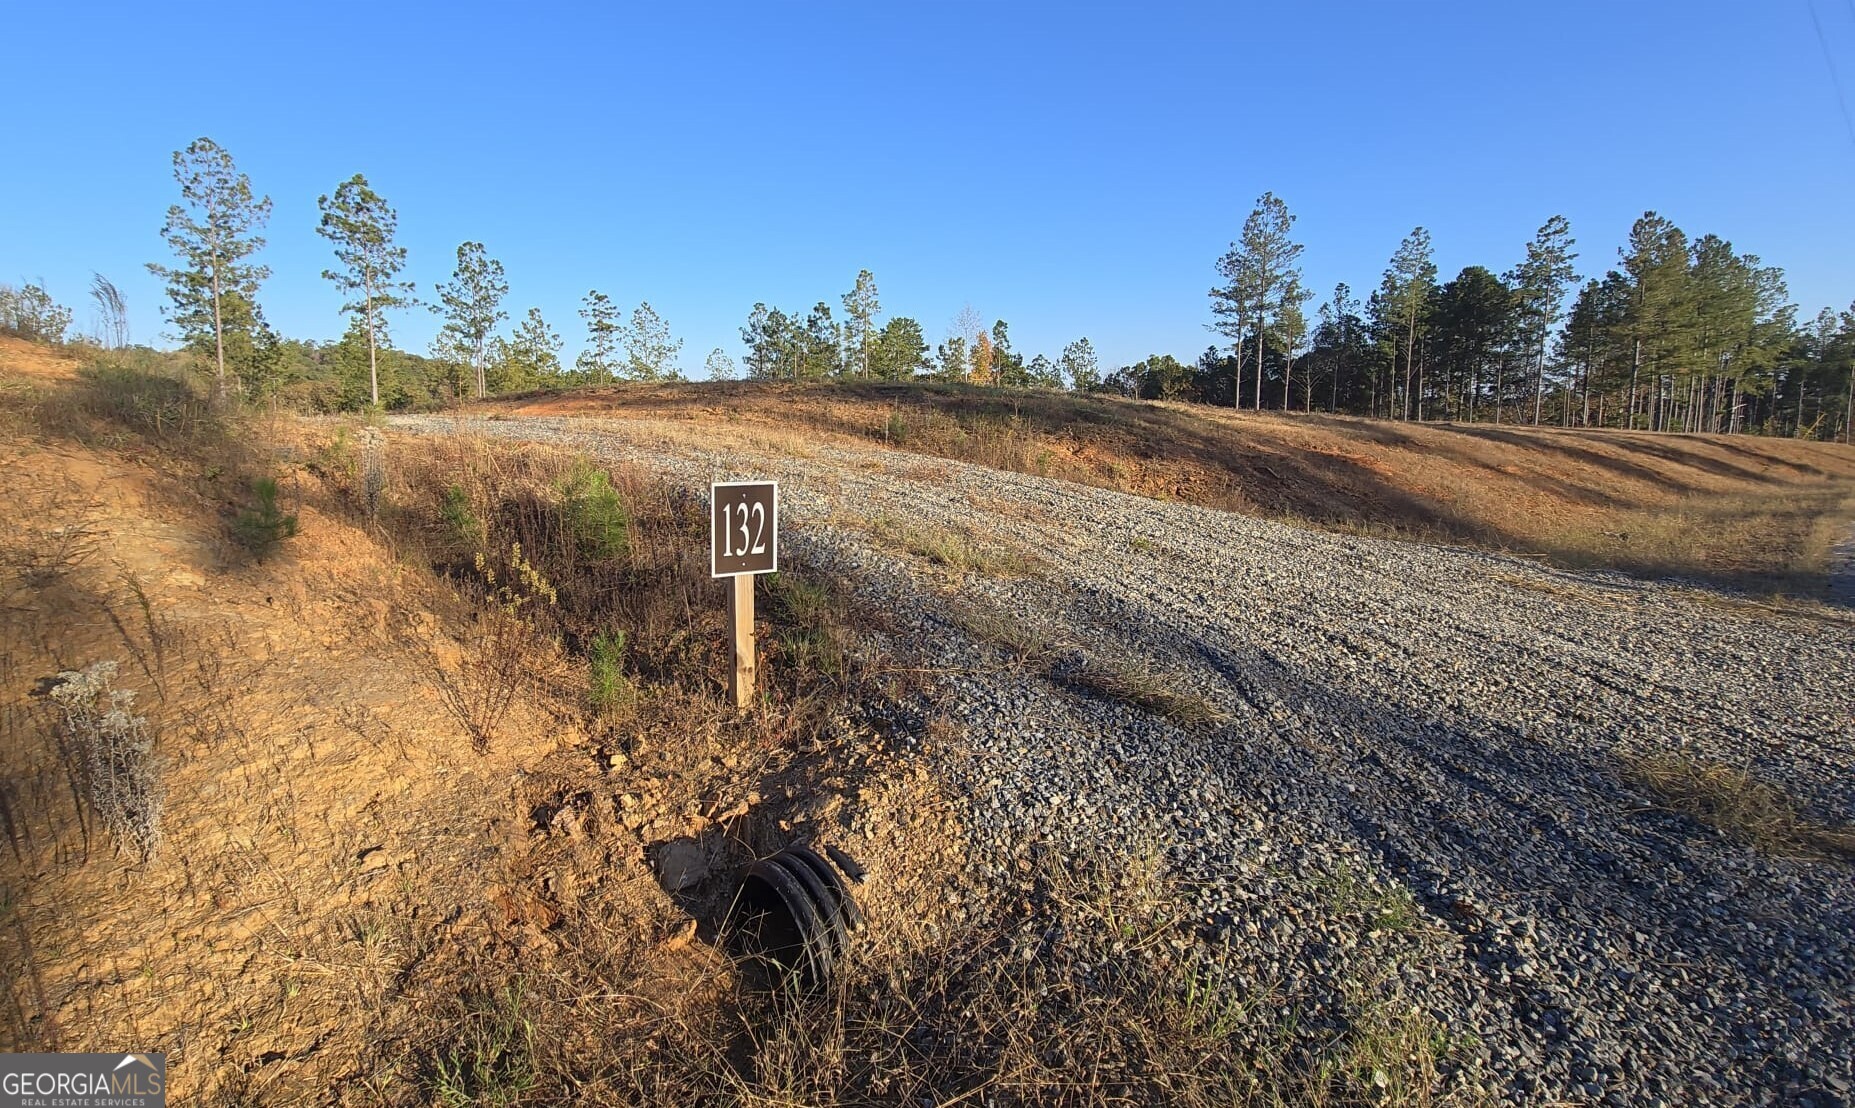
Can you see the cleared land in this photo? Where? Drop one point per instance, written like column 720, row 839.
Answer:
column 1160, row 803
column 1748, row 512
column 1586, row 835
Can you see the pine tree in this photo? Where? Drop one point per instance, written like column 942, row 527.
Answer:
column 1661, row 320
column 719, row 366
column 1260, row 270
column 362, row 226
column 529, row 358
column 762, row 341
column 599, row 361
column 1408, row 284
column 1078, row 364
column 1540, row 284
column 860, row 308
column 212, row 232
column 950, row 359
column 472, row 305
column 1291, row 328
column 901, row 350
column 650, row 352
column 818, row 344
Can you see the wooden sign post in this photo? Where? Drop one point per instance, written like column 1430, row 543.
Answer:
column 743, row 542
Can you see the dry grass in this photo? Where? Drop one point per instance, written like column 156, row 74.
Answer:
column 1736, row 803
column 1751, row 512
column 1134, row 682
column 1024, row 643
column 1141, row 685
column 956, row 550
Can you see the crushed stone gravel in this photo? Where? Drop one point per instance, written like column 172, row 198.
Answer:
column 1441, row 726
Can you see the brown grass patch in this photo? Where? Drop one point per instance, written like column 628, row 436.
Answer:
column 1744, row 511
column 950, row 548
column 1135, row 683
column 1733, row 801
column 1144, row 687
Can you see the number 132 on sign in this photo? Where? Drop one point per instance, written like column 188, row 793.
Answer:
column 743, row 528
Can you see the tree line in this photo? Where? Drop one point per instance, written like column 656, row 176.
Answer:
column 1681, row 333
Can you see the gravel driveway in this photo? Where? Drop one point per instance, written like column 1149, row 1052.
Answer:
column 1404, row 718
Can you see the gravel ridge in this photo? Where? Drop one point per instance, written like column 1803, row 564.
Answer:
column 1438, row 722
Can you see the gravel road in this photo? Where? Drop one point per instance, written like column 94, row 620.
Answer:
column 1402, row 719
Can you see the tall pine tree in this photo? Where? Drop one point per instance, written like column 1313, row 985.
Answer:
column 212, row 232
column 362, row 226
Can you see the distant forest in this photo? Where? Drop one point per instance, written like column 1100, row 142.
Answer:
column 1680, row 333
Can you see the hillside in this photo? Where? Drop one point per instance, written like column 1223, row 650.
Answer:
column 1737, row 510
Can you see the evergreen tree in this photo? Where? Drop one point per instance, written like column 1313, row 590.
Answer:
column 366, row 369
column 449, row 357
column 950, row 359
column 1539, row 284
column 1660, row 320
column 817, row 344
column 1007, row 364
column 1078, row 364
column 1475, row 319
column 1407, row 287
column 1042, row 373
column 362, row 226
column 472, row 305
column 761, row 337
column 860, row 308
column 212, row 232
column 598, row 363
column 530, row 358
column 1261, row 272
column 1291, row 329
column 719, row 366
column 650, row 352
column 901, row 350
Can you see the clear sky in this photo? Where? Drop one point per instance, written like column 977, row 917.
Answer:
column 1072, row 168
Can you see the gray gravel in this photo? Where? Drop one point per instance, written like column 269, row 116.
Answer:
column 1442, row 723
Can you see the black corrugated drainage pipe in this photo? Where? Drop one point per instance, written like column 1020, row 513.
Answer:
column 795, row 911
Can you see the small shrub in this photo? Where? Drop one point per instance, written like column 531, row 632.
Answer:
column 262, row 526
column 609, row 690
column 897, row 430
column 461, row 524
column 481, row 694
column 110, row 748
column 594, row 513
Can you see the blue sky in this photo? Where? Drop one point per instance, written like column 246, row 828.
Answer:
column 1074, row 169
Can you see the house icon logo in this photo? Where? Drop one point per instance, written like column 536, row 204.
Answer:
column 83, row 1080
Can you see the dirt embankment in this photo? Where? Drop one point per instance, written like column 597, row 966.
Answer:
column 353, row 894
column 1736, row 510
